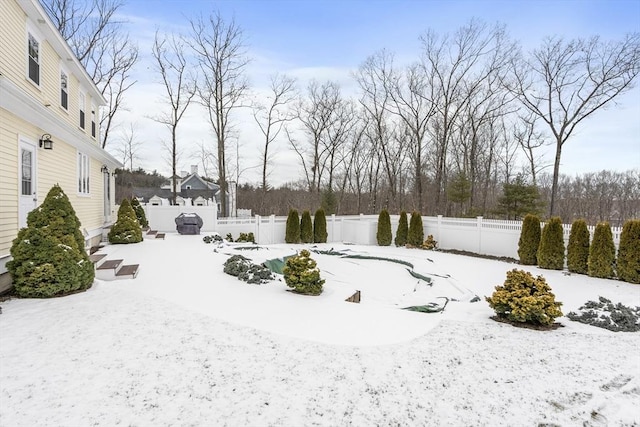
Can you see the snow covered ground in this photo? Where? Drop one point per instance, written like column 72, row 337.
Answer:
column 184, row 344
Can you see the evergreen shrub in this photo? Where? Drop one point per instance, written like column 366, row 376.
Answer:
column 578, row 247
column 525, row 299
column 306, row 228
column 127, row 228
column 416, row 232
column 629, row 253
column 301, row 274
column 139, row 210
column 383, row 235
column 602, row 253
column 551, row 249
column 403, row 230
column 430, row 243
column 48, row 256
column 529, row 240
column 292, row 234
column 320, row 227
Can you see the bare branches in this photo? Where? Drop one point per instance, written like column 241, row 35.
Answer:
column 102, row 45
column 564, row 82
column 221, row 59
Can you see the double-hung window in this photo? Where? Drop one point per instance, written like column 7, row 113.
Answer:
column 81, row 107
column 93, row 120
column 64, row 90
column 33, row 50
column 83, row 173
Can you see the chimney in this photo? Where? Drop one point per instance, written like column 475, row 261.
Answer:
column 194, row 169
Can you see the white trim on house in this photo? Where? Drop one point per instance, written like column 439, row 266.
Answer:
column 47, row 31
column 28, row 108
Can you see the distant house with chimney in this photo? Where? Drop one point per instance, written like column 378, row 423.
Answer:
column 192, row 190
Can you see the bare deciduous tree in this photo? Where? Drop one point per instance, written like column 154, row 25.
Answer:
column 130, row 146
column 102, row 45
column 221, row 56
column 273, row 116
column 172, row 66
column 564, row 82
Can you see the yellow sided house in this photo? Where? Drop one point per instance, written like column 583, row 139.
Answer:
column 49, row 128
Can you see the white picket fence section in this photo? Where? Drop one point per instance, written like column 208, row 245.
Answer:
column 478, row 235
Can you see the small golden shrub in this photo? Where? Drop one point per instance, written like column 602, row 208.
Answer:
column 524, row 298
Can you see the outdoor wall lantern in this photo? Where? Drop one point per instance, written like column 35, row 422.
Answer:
column 46, row 142
column 104, row 169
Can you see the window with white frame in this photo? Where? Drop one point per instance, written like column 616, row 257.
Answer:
column 64, row 90
column 82, row 106
column 33, row 49
column 93, row 120
column 83, row 173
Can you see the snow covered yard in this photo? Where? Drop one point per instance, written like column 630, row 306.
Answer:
column 185, row 344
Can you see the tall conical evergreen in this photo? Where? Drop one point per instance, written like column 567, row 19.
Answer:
column 320, row 227
column 578, row 248
column 529, row 240
column 383, row 235
column 551, row 250
column 403, row 230
column 49, row 258
column 127, row 228
column 629, row 253
column 416, row 232
column 139, row 210
column 602, row 254
column 292, row 234
column 306, row 228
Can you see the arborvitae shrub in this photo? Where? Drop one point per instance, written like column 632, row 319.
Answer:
column 320, row 227
column 416, row 232
column 403, row 230
column 293, row 227
column 49, row 258
column 383, row 235
column 551, row 249
column 578, row 248
column 301, row 274
column 127, row 228
column 529, row 240
column 602, row 253
column 139, row 210
column 306, row 228
column 629, row 253
column 523, row 298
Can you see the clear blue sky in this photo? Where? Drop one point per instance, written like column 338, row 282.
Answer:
column 329, row 39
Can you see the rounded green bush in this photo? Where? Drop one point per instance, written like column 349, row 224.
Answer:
column 383, row 235
column 306, row 228
column 416, row 232
column 403, row 230
column 127, row 228
column 301, row 274
column 529, row 240
column 48, row 256
column 525, row 299
column 602, row 253
column 320, row 227
column 578, row 247
column 292, row 234
column 629, row 252
column 551, row 249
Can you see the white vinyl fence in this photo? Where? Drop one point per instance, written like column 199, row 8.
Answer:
column 478, row 235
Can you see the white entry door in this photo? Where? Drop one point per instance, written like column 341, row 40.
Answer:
column 26, row 181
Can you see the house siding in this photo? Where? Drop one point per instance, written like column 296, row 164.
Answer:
column 29, row 111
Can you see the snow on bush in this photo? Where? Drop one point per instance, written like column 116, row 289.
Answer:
column 607, row 315
column 245, row 270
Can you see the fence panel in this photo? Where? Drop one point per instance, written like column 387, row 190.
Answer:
column 162, row 218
